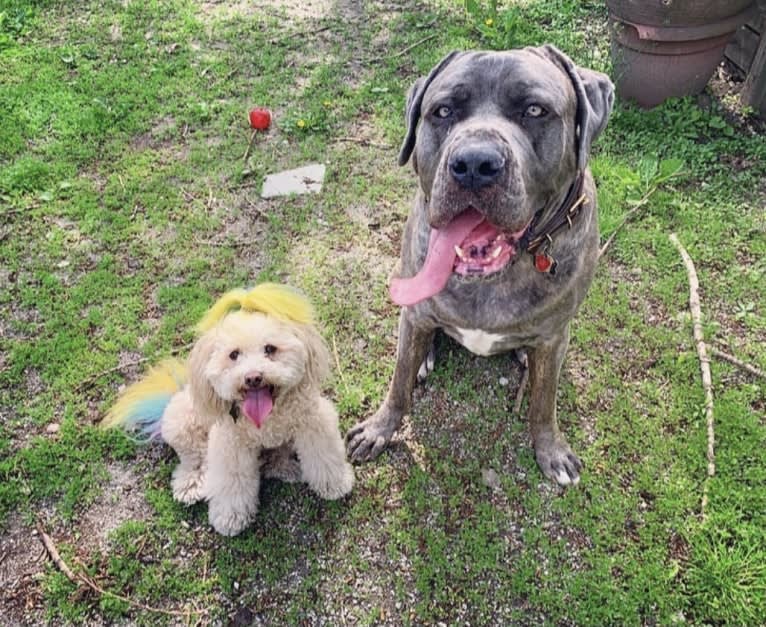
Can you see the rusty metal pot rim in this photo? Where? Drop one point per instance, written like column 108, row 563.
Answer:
column 690, row 33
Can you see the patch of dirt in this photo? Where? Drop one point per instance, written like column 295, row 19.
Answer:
column 121, row 500
column 22, row 560
column 726, row 86
column 164, row 135
column 300, row 9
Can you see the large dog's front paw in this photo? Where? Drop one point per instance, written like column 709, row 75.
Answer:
column 333, row 482
column 228, row 521
column 187, row 485
column 367, row 440
column 558, row 462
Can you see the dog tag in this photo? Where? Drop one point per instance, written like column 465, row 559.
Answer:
column 545, row 263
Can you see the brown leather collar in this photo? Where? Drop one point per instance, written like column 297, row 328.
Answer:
column 538, row 239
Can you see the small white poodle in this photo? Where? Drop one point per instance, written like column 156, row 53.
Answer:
column 252, row 382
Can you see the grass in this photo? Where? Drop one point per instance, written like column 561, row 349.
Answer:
column 127, row 208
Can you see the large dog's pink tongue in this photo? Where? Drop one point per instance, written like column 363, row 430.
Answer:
column 440, row 261
column 257, row 405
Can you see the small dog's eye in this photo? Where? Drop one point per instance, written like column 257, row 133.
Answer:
column 234, row 354
column 443, row 112
column 535, row 111
column 269, row 349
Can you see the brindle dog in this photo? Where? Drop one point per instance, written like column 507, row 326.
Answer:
column 502, row 243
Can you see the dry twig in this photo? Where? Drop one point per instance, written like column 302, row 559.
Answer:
column 737, row 362
column 79, row 578
column 249, row 146
column 707, row 380
column 520, row 393
column 411, row 46
column 363, row 142
column 644, row 199
column 337, row 361
column 127, row 364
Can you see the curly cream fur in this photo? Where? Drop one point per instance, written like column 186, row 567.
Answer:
column 219, row 456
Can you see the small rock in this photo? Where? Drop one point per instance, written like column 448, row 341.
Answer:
column 305, row 180
column 490, row 478
column 54, row 427
column 503, row 381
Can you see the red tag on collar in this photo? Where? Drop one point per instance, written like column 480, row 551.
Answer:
column 545, row 263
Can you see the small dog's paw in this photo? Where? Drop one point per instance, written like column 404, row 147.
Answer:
column 187, row 487
column 335, row 482
column 558, row 462
column 228, row 522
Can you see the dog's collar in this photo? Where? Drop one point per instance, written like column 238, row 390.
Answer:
column 538, row 239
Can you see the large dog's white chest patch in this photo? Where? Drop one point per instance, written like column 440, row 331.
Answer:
column 479, row 342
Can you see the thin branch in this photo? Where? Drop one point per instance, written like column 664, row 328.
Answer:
column 411, row 46
column 644, row 199
column 521, row 390
column 55, row 556
column 249, row 146
column 737, row 362
column 363, row 142
column 707, row 379
column 300, row 33
column 127, row 364
column 79, row 578
column 337, row 362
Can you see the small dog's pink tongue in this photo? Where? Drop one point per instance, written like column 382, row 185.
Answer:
column 257, row 405
column 440, row 260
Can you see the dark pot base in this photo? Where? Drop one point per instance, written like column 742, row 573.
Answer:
column 653, row 62
column 648, row 72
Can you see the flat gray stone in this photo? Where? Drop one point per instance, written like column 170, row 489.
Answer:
column 305, row 180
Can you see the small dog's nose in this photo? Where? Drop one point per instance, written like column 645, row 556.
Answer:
column 253, row 379
column 474, row 168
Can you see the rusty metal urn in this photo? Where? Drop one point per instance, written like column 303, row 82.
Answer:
column 670, row 48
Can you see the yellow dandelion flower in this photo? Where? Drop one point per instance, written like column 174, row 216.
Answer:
column 301, row 123
column 489, row 21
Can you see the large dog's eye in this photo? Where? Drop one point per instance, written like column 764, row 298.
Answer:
column 535, row 111
column 233, row 355
column 269, row 349
column 442, row 112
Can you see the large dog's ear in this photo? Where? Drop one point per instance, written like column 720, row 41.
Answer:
column 317, row 354
column 414, row 101
column 206, row 401
column 595, row 97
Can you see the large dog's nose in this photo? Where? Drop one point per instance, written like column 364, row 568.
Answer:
column 475, row 167
column 253, row 379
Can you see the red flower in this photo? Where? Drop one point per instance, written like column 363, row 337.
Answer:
column 260, row 119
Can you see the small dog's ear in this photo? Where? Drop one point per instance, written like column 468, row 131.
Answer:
column 414, row 101
column 317, row 354
column 595, row 97
column 206, row 401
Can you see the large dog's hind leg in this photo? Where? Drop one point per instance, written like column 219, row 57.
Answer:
column 555, row 458
column 367, row 439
